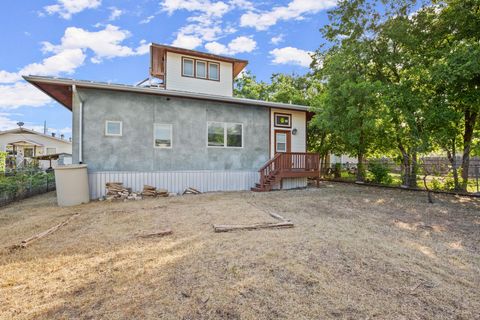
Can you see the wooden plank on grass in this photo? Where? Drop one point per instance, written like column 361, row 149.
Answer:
column 227, row 228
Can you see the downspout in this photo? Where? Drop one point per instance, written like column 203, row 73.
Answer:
column 80, row 125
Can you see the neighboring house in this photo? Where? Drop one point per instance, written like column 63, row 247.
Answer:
column 23, row 145
column 187, row 130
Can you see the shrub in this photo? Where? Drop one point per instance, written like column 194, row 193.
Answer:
column 380, row 172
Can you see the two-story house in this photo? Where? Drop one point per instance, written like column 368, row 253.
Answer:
column 183, row 128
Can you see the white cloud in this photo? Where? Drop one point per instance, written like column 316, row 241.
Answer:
column 217, row 9
column 9, row 77
column 65, row 58
column 290, row 55
column 106, row 43
column 6, row 122
column 114, row 13
column 144, row 47
column 21, row 94
column 205, row 25
column 237, row 45
column 294, row 10
column 147, row 20
column 65, row 61
column 67, row 8
column 187, row 41
column 277, row 39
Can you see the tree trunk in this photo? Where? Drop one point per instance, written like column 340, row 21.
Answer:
column 405, row 165
column 361, row 155
column 452, row 157
column 360, row 167
column 470, row 120
column 413, row 171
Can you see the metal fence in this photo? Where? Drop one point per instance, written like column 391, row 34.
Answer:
column 20, row 184
column 436, row 174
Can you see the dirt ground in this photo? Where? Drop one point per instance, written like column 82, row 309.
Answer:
column 355, row 253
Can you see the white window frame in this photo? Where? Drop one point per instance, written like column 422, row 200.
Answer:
column 218, row 71
column 171, row 135
column 225, row 134
column 54, row 150
column 193, row 67
column 113, row 134
column 196, row 69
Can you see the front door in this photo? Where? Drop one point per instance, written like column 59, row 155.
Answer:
column 282, row 141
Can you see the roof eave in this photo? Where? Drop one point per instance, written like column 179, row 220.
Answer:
column 163, row 92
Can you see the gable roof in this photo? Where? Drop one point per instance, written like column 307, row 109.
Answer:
column 158, row 50
column 59, row 88
column 24, row 130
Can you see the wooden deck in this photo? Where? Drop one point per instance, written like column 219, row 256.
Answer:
column 288, row 165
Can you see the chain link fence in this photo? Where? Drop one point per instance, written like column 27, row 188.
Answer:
column 20, row 184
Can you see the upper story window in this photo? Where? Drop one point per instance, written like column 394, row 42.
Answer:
column 213, row 71
column 113, row 128
column 187, row 68
column 200, row 69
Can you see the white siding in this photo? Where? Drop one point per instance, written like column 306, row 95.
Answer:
column 175, row 80
column 46, row 142
column 299, row 121
column 174, row 181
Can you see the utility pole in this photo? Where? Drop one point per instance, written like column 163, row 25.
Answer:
column 45, row 127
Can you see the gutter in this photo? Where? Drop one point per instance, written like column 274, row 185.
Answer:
column 80, row 125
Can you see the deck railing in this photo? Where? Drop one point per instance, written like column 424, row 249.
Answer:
column 291, row 164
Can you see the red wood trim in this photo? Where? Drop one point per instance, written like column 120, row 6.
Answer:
column 288, row 134
column 282, row 114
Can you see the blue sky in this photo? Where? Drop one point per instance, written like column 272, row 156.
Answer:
column 106, row 40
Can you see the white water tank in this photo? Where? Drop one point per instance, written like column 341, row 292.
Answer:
column 71, row 182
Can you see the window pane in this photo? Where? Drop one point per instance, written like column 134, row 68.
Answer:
column 188, row 67
column 281, row 137
column 163, row 135
column 114, row 128
column 213, row 71
column 201, row 69
column 28, row 152
column 216, row 134
column 281, row 147
column 234, row 135
column 51, row 150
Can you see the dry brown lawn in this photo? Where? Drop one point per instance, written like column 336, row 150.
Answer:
column 355, row 253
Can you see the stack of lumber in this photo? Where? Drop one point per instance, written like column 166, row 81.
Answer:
column 191, row 190
column 116, row 191
column 149, row 191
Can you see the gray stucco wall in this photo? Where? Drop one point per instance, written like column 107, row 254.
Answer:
column 134, row 150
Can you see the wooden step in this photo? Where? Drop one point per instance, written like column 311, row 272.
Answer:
column 258, row 190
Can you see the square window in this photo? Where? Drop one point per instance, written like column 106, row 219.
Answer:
column 113, row 128
column 283, row 120
column 213, row 71
column 201, row 69
column 162, row 135
column 234, row 135
column 216, row 134
column 187, row 69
